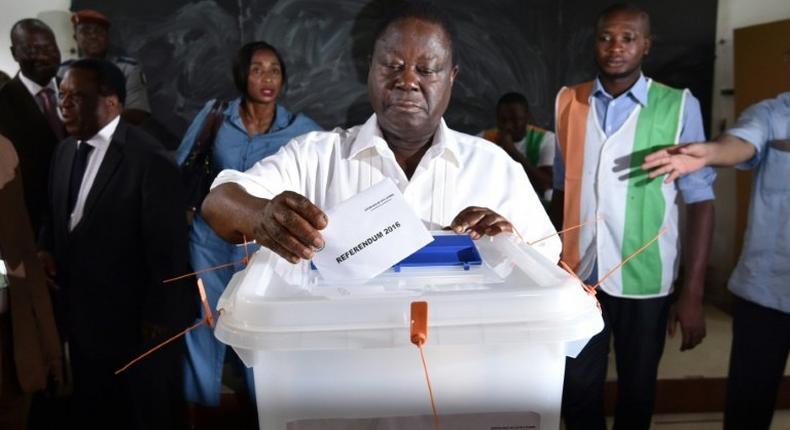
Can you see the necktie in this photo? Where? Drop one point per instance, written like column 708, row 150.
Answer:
column 46, row 98
column 77, row 172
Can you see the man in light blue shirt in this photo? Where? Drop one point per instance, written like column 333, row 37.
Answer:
column 760, row 140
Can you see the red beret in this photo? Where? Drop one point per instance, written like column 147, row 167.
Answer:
column 89, row 15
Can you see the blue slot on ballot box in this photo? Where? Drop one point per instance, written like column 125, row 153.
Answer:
column 444, row 251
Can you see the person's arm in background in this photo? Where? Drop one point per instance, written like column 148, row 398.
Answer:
column 188, row 141
column 741, row 144
column 18, row 249
column 697, row 191
column 557, row 206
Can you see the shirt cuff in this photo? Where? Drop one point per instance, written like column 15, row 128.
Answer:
column 698, row 186
column 250, row 185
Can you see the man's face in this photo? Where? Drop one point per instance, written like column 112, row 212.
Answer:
column 37, row 54
column 411, row 78
column 512, row 118
column 92, row 39
column 622, row 40
column 265, row 79
column 85, row 111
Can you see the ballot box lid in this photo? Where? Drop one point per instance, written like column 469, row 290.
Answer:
column 502, row 291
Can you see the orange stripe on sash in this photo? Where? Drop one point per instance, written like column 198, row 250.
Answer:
column 573, row 106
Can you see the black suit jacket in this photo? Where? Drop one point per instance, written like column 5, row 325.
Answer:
column 132, row 236
column 23, row 123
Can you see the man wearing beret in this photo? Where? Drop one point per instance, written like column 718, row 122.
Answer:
column 91, row 31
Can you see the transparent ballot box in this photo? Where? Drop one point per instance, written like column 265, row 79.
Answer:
column 501, row 320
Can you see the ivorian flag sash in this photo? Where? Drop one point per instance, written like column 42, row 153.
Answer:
column 630, row 207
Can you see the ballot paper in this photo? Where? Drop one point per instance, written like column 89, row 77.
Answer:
column 369, row 233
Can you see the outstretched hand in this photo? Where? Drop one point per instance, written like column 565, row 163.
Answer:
column 480, row 221
column 676, row 161
column 289, row 225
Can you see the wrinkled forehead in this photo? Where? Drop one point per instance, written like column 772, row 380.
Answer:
column 414, row 33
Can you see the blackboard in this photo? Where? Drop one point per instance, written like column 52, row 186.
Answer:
column 531, row 46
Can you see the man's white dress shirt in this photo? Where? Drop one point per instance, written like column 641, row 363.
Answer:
column 100, row 142
column 34, row 88
column 457, row 171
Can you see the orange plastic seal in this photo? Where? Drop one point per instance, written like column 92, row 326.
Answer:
column 419, row 323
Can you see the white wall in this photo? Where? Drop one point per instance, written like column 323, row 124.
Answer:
column 732, row 14
column 54, row 12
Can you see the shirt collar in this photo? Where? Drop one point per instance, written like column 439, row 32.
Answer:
column 34, row 88
column 370, row 138
column 638, row 91
column 282, row 117
column 102, row 139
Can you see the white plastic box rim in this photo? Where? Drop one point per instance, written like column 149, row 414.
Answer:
column 515, row 296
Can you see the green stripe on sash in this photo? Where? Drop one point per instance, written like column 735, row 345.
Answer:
column 645, row 209
column 534, row 139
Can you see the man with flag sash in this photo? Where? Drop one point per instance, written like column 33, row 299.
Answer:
column 605, row 128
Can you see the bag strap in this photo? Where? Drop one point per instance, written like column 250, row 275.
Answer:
column 210, row 128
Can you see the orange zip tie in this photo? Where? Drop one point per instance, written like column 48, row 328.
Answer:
column 246, row 249
column 204, row 300
column 418, row 336
column 208, row 269
column 430, row 389
column 592, row 221
column 635, row 253
column 209, row 319
column 147, row 353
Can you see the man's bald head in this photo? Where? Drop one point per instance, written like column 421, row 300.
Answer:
column 26, row 26
column 34, row 49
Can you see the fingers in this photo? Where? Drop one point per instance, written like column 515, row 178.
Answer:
column 672, row 176
column 310, row 212
column 467, row 218
column 652, row 159
column 664, row 169
column 289, row 227
column 480, row 221
column 692, row 336
column 266, row 240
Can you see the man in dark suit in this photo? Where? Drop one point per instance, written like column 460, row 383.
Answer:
column 28, row 110
column 118, row 230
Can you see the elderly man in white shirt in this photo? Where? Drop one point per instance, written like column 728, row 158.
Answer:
column 448, row 178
